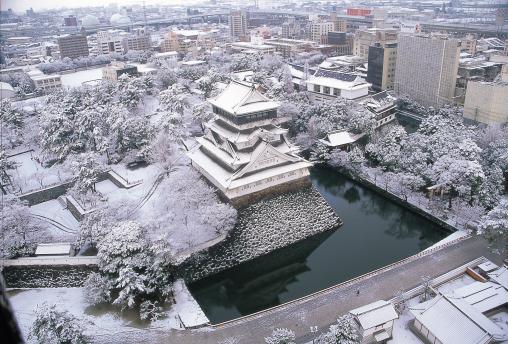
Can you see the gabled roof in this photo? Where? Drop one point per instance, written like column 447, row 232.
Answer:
column 374, row 314
column 484, row 296
column 453, row 320
column 240, row 98
column 500, row 276
column 340, row 138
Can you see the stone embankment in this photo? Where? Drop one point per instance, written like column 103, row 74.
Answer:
column 264, row 227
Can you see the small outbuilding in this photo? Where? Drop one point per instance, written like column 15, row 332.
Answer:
column 53, row 249
column 376, row 321
column 340, row 138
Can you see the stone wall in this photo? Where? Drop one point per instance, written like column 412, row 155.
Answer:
column 46, row 194
column 46, row 276
column 263, row 227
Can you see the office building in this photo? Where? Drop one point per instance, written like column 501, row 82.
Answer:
column 318, row 31
column 426, row 68
column 73, row 46
column 365, row 38
column 112, row 41
column 116, row 69
column 381, row 66
column 238, row 25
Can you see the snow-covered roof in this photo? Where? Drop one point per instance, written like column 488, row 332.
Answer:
column 166, row 54
column 453, row 320
column 374, row 314
column 340, row 138
column 500, row 276
column 484, row 296
column 193, row 63
column 488, row 266
column 6, row 87
column 339, row 80
column 241, row 98
column 53, row 249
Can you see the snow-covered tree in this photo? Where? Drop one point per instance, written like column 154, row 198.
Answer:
column 165, row 151
column 5, row 166
column 494, row 227
column 387, row 150
column 87, row 169
column 201, row 113
column 20, row 233
column 97, row 289
column 281, row 336
column 57, row 327
column 346, row 331
column 130, row 90
column 150, row 310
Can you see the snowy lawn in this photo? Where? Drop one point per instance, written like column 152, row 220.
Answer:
column 31, row 175
column 78, row 78
column 54, row 211
column 101, row 319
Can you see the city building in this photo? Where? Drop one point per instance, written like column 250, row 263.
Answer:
column 115, row 69
column 46, row 83
column 327, row 84
column 376, row 321
column 70, row 21
column 290, row 28
column 184, row 41
column 238, row 25
column 255, row 45
column 365, row 38
column 73, row 46
column 138, row 40
column 318, row 31
column 426, row 68
column 487, row 102
column 469, row 44
column 112, row 41
column 289, row 47
column 381, row 66
column 244, row 152
column 358, row 12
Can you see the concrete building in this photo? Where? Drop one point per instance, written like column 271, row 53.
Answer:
column 376, row 321
column 112, row 41
column 238, row 25
column 138, row 40
column 184, row 41
column 426, row 68
column 290, row 28
column 245, row 153
column 381, row 66
column 252, row 47
column 73, row 46
column 289, row 47
column 327, row 84
column 365, row 38
column 116, row 69
column 47, row 83
column 318, row 31
column 487, row 102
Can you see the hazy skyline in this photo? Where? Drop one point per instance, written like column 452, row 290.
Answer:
column 22, row 5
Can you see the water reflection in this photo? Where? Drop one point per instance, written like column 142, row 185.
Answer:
column 376, row 232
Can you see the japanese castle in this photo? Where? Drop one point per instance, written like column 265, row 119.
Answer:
column 244, row 150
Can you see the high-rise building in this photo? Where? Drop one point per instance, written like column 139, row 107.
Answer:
column 70, row 21
column 365, row 38
column 112, row 41
column 139, row 40
column 486, row 102
column 73, row 46
column 381, row 66
column 290, row 28
column 426, row 68
column 338, row 24
column 319, row 31
column 238, row 25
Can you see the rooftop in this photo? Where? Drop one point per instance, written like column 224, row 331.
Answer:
column 374, row 314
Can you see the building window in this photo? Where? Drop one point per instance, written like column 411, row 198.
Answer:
column 326, row 89
column 317, row 88
column 336, row 92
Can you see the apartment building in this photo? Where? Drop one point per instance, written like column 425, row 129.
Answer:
column 319, row 30
column 238, row 25
column 365, row 38
column 426, row 68
column 73, row 46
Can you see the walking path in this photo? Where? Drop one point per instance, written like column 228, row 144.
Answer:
column 322, row 308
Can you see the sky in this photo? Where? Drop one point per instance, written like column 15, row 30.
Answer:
column 22, row 5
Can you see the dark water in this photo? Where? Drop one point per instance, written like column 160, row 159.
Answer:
column 376, row 232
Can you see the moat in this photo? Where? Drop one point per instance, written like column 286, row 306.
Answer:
column 375, row 233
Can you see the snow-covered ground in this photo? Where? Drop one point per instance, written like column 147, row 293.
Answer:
column 55, row 211
column 31, row 175
column 76, row 79
column 101, row 319
column 402, row 334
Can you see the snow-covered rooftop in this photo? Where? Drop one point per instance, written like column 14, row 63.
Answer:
column 241, row 98
column 340, row 138
column 500, row 276
column 453, row 320
column 484, row 296
column 339, row 80
column 374, row 314
column 53, row 249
